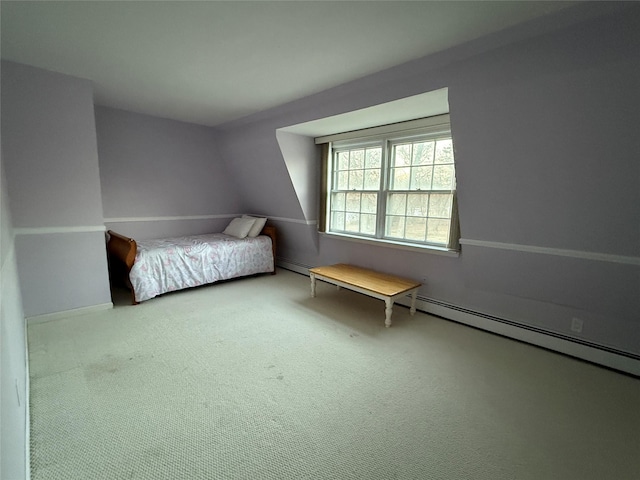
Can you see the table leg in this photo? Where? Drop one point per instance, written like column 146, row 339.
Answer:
column 313, row 284
column 414, row 296
column 388, row 310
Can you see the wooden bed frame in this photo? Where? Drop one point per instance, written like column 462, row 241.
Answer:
column 121, row 253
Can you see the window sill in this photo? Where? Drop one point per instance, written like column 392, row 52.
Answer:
column 391, row 244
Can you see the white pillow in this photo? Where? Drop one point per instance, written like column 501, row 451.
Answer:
column 257, row 226
column 239, row 227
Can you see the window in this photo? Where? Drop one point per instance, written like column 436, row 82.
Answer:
column 397, row 186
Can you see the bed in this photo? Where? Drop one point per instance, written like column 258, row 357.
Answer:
column 153, row 267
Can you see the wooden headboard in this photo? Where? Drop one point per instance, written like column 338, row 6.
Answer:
column 121, row 253
column 124, row 248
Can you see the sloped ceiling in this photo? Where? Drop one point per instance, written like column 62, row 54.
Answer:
column 214, row 62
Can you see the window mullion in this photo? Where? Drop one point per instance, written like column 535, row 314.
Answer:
column 383, row 189
column 332, row 178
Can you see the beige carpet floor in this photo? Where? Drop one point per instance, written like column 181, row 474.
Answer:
column 253, row 379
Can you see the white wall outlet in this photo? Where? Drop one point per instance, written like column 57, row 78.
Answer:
column 576, row 325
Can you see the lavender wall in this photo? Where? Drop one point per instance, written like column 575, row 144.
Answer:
column 152, row 167
column 254, row 159
column 50, row 148
column 542, row 119
column 51, row 162
column 13, row 354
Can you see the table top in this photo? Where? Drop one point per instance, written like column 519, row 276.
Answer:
column 377, row 282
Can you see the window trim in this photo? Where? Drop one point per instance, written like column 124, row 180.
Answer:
column 402, row 128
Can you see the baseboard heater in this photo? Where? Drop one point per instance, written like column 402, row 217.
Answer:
column 583, row 349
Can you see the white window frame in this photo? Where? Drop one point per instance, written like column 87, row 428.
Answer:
column 386, row 136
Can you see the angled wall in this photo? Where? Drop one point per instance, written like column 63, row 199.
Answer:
column 301, row 158
column 13, row 353
column 53, row 180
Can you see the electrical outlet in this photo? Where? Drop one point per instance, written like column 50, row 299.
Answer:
column 576, row 325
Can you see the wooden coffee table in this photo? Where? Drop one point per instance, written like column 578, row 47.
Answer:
column 369, row 282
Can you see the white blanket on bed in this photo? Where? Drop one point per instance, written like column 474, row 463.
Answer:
column 165, row 265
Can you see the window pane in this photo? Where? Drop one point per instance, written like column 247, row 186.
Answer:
column 356, row 159
column 443, row 177
column 423, row 153
column 356, row 179
column 440, row 205
column 421, row 178
column 373, row 158
column 343, row 181
column 400, row 178
column 394, row 227
column 416, row 228
column 369, row 202
column 352, row 222
column 444, row 151
column 402, row 155
column 368, row 224
column 337, row 201
column 353, row 202
column 438, row 231
column 337, row 221
column 371, row 179
column 343, row 160
column 417, row 205
column 397, row 204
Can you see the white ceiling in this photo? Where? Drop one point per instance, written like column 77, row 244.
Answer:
column 211, row 62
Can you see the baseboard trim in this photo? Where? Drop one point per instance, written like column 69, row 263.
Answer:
column 27, row 402
column 293, row 266
column 49, row 317
column 597, row 354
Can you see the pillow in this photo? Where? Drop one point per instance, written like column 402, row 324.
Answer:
column 239, row 227
column 257, row 226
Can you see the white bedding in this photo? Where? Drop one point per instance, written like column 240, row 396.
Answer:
column 165, row 265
